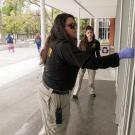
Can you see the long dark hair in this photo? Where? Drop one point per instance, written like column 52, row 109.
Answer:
column 58, row 29
column 84, row 41
column 57, row 33
column 44, row 51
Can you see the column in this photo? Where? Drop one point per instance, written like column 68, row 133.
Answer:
column 90, row 21
column 42, row 17
column 78, row 27
column 96, row 28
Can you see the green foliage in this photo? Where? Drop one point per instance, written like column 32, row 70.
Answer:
column 26, row 23
column 31, row 23
column 55, row 12
column 16, row 21
column 12, row 7
column 7, row 10
column 83, row 24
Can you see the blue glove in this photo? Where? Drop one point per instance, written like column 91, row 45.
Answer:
column 126, row 53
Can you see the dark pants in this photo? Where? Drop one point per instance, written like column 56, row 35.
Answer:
column 38, row 47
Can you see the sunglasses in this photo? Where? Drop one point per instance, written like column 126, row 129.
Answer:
column 72, row 26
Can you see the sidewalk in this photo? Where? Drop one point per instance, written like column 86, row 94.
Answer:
column 94, row 116
column 19, row 101
column 15, row 71
column 19, row 81
column 18, row 64
column 19, row 44
column 89, row 116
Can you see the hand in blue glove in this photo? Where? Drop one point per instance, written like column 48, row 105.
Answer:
column 126, row 53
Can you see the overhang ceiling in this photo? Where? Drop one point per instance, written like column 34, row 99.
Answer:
column 88, row 8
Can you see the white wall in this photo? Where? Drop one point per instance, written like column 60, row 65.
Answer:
column 125, row 73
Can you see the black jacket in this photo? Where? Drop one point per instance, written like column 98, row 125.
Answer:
column 64, row 60
column 93, row 48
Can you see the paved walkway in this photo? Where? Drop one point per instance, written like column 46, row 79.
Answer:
column 88, row 116
column 18, row 64
column 15, row 71
column 93, row 116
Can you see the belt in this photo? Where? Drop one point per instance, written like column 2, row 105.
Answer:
column 57, row 91
column 60, row 92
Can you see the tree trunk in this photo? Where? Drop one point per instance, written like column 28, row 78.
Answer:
column 2, row 39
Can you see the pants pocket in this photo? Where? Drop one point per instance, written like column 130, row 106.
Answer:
column 45, row 92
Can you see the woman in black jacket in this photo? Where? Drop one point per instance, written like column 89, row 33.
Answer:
column 62, row 61
column 91, row 46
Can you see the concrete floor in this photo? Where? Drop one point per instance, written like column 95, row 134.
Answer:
column 89, row 116
column 94, row 116
column 19, row 108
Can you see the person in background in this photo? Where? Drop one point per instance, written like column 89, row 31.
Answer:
column 38, row 41
column 61, row 67
column 91, row 46
column 10, row 43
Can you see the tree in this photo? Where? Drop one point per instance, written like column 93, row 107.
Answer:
column 55, row 12
column 12, row 7
column 31, row 23
column 17, row 20
column 83, row 24
column 1, row 26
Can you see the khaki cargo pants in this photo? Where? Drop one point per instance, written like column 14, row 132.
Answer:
column 91, row 81
column 49, row 102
